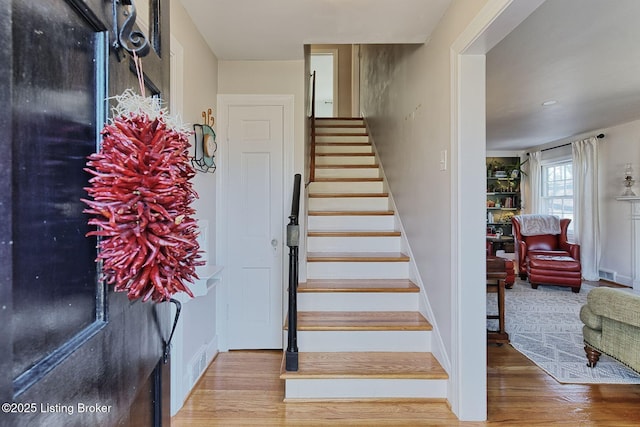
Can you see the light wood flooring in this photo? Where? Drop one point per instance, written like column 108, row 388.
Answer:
column 243, row 388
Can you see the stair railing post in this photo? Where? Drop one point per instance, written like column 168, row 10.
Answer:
column 312, row 164
column 293, row 242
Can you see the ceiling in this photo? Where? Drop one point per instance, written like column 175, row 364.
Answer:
column 584, row 54
column 278, row 29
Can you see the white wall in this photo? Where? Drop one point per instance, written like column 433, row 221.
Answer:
column 198, row 86
column 199, row 93
column 620, row 146
column 413, row 97
column 272, row 78
column 406, row 98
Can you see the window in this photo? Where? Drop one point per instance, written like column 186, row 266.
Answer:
column 557, row 190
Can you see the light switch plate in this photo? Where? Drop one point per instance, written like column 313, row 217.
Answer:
column 443, row 160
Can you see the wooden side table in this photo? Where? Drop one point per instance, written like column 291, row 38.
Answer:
column 496, row 242
column 496, row 284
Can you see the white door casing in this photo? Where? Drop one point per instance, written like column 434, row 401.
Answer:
column 467, row 384
column 256, row 132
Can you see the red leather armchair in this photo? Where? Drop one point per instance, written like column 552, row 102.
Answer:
column 548, row 258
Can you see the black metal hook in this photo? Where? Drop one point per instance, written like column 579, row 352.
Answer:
column 133, row 41
column 167, row 346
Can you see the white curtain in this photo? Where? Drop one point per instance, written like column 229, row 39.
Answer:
column 532, row 196
column 585, row 198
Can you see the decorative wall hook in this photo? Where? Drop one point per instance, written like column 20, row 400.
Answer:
column 133, row 41
column 206, row 145
column 208, row 118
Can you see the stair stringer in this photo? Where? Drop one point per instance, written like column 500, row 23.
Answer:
column 424, row 306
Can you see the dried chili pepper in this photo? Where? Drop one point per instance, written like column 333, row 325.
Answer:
column 141, row 195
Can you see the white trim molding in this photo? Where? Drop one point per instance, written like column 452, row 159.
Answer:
column 467, row 392
column 635, row 239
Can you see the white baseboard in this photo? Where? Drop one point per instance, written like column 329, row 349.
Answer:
column 203, row 358
column 624, row 280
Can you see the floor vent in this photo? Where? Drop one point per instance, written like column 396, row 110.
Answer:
column 609, row 275
column 198, row 364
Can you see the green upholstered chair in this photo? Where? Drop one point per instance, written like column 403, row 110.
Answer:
column 611, row 320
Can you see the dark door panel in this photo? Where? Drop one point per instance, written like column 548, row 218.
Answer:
column 55, row 122
column 78, row 353
column 6, row 267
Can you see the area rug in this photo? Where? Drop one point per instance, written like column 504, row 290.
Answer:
column 544, row 324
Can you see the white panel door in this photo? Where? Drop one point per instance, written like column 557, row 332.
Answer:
column 256, row 226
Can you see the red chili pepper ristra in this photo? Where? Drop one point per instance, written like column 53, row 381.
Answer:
column 141, row 195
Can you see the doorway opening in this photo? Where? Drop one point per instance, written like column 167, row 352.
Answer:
column 324, row 62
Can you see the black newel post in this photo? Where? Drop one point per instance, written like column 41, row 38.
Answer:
column 293, row 241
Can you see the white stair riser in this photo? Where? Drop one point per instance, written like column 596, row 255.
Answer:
column 357, row 388
column 341, row 138
column 351, row 223
column 330, row 129
column 348, row 203
column 338, row 122
column 344, row 148
column 388, row 341
column 346, row 187
column 345, row 160
column 347, row 172
column 358, row 301
column 353, row 244
column 358, row 270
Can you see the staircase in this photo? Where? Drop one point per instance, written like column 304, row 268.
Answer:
column 360, row 334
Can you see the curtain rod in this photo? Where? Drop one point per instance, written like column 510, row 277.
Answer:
column 599, row 136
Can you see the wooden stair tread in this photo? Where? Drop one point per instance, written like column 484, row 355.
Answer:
column 319, row 119
column 338, row 195
column 350, row 213
column 356, row 154
column 340, row 134
column 341, row 126
column 356, row 257
column 343, row 144
column 389, row 365
column 347, row 180
column 358, row 285
column 391, row 233
column 372, row 166
column 362, row 321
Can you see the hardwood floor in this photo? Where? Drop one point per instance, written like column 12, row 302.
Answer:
column 243, row 388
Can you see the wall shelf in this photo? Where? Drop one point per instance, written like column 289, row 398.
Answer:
column 208, row 278
column 503, row 193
